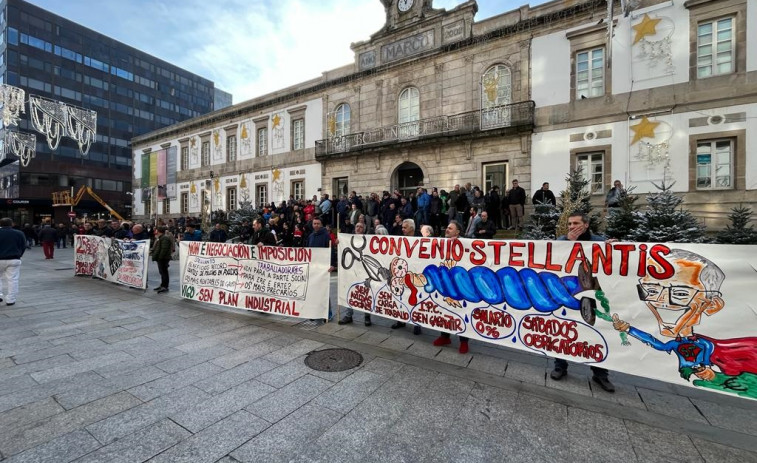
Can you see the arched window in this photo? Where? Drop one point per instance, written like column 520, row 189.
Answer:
column 496, row 88
column 496, row 93
column 341, row 120
column 409, row 106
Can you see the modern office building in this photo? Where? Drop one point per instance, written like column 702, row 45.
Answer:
column 132, row 92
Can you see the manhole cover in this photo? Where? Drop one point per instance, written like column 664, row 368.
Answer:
column 333, row 359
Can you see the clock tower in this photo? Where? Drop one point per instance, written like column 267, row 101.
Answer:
column 400, row 13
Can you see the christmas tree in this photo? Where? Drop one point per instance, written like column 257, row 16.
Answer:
column 664, row 220
column 541, row 223
column 246, row 211
column 740, row 231
column 576, row 198
column 622, row 219
column 549, row 221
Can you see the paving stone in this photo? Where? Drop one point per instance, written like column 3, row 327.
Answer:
column 671, row 405
column 29, row 413
column 658, row 445
column 741, row 419
column 244, row 355
column 453, row 357
column 285, row 374
column 293, row 351
column 382, row 366
column 212, row 443
column 488, row 364
column 141, row 445
column 525, row 372
column 349, row 332
column 76, row 397
column 30, row 435
column 234, row 376
column 281, row 403
column 129, row 421
column 166, row 384
column 71, row 369
column 199, row 416
column 252, row 339
column 64, row 448
column 14, row 383
column 594, row 437
column 183, row 362
column 276, row 443
column 397, row 343
column 36, row 393
column 576, row 384
column 711, row 451
column 346, row 394
column 372, row 337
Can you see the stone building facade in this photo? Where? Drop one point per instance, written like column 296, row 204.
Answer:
column 436, row 99
column 432, row 99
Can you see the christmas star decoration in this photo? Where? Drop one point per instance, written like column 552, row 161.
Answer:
column 647, row 26
column 276, row 120
column 644, row 129
column 192, row 142
column 276, row 174
column 193, row 188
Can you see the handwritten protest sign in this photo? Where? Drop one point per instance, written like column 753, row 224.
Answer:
column 123, row 262
column 283, row 281
column 680, row 313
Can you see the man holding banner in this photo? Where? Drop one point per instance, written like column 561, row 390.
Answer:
column 161, row 254
column 578, row 230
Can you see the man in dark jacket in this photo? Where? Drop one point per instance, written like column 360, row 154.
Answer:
column 578, row 230
column 544, row 195
column 516, row 197
column 161, row 254
column 218, row 235
column 12, row 247
column 493, row 207
column 261, row 235
column 48, row 236
column 320, row 238
column 485, row 228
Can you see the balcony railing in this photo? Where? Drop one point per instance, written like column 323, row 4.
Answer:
column 516, row 115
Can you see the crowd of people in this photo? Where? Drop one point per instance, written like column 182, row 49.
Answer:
column 464, row 211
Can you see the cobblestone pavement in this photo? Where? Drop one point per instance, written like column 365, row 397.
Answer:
column 92, row 371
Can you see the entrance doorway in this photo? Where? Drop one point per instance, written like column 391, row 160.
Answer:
column 407, row 178
column 495, row 174
column 340, row 188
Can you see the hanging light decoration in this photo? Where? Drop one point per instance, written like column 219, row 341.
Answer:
column 13, row 104
column 82, row 127
column 21, row 145
column 49, row 117
column 55, row 119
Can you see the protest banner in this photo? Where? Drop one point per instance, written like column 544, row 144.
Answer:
column 123, row 262
column 680, row 313
column 284, row 281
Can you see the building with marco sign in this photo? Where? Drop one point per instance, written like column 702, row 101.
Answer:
column 639, row 91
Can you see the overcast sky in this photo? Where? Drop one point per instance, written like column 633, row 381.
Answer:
column 247, row 47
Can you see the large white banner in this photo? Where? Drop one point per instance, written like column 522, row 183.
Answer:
column 681, row 313
column 123, row 262
column 284, row 281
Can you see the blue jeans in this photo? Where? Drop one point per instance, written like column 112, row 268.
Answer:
column 62, row 241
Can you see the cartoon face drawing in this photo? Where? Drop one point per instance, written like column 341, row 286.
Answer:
column 679, row 301
column 397, row 286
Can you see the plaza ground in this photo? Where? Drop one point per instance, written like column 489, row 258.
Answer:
column 93, row 371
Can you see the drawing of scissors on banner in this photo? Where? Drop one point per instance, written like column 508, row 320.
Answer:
column 372, row 267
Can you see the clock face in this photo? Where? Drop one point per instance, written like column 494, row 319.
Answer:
column 404, row 5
